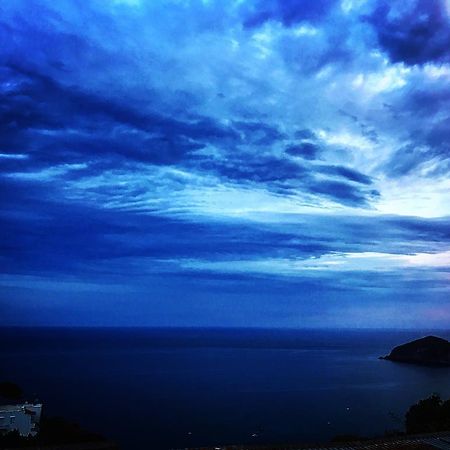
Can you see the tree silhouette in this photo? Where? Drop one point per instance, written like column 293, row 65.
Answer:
column 428, row 415
column 10, row 391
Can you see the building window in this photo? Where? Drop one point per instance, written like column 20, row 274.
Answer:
column 12, row 419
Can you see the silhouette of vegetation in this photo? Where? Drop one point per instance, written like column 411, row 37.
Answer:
column 13, row 439
column 10, row 391
column 56, row 430
column 347, row 438
column 52, row 431
column 428, row 415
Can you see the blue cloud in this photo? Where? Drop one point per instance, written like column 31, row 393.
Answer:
column 288, row 12
column 347, row 173
column 306, row 150
column 413, row 32
column 252, row 150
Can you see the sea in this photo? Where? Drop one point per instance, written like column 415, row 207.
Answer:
column 177, row 388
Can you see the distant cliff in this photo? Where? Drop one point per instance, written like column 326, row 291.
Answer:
column 430, row 350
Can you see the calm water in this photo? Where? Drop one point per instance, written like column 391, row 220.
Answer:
column 175, row 388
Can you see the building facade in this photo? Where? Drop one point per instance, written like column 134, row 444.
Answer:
column 23, row 417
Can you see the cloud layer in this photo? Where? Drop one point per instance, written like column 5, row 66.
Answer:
column 290, row 157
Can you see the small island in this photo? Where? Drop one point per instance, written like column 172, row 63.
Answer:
column 429, row 351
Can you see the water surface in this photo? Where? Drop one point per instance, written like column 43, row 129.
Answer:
column 172, row 388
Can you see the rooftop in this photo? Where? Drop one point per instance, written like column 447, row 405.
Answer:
column 18, row 406
column 412, row 442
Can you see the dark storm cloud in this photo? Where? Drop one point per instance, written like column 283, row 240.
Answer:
column 258, row 168
column 433, row 230
column 429, row 144
column 408, row 159
column 404, row 160
column 426, row 101
column 438, row 137
column 345, row 193
column 38, row 112
column 58, row 124
column 39, row 115
column 421, row 115
column 288, row 12
column 413, row 32
column 154, row 143
column 61, row 123
column 305, row 134
column 38, row 235
column 306, row 150
column 347, row 173
column 283, row 175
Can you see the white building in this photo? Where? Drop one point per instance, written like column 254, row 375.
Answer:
column 24, row 418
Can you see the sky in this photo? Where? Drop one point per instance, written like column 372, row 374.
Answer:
column 260, row 163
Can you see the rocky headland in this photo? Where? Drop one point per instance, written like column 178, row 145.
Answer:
column 429, row 351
